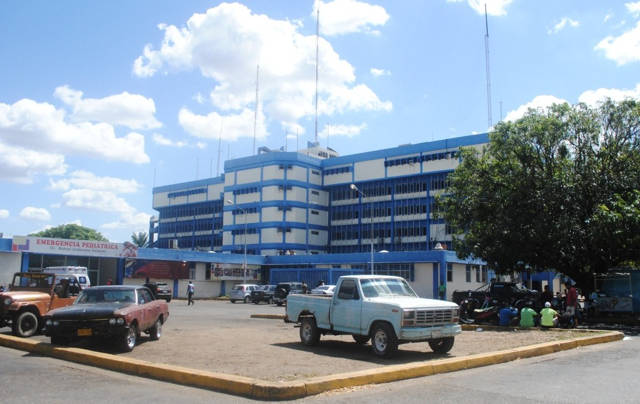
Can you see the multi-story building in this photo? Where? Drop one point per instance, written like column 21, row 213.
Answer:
column 313, row 202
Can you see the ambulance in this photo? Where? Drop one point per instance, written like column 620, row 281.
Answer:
column 80, row 274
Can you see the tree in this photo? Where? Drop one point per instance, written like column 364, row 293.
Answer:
column 71, row 231
column 532, row 198
column 140, row 239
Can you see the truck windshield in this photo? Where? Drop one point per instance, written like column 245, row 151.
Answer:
column 386, row 287
column 26, row 280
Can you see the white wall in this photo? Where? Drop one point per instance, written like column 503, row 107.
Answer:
column 337, row 178
column 369, row 170
column 272, row 193
column 297, row 194
column 271, row 214
column 247, row 176
column 296, row 236
column 272, row 173
column 322, row 218
column 423, row 279
column 321, row 199
column 248, row 198
column 297, row 173
column 315, row 178
column 10, row 263
column 297, row 215
column 271, row 235
column 322, row 238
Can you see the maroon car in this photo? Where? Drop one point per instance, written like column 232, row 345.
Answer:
column 119, row 313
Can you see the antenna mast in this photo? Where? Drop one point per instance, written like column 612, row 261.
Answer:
column 486, row 55
column 255, row 116
column 317, row 41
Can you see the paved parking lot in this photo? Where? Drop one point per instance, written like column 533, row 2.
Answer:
column 221, row 337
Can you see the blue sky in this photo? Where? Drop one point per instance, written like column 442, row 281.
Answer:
column 99, row 101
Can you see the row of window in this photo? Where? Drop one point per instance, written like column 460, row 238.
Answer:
column 204, row 208
column 388, row 187
column 187, row 193
column 244, row 191
column 193, row 242
column 237, row 232
column 242, row 211
column 425, row 157
column 411, row 228
column 339, row 170
column 359, row 248
column 190, row 226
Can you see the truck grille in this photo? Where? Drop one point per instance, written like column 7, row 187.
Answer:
column 433, row 317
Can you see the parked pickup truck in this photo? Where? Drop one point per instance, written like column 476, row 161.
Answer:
column 382, row 308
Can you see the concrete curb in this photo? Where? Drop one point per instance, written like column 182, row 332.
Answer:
column 269, row 316
column 266, row 390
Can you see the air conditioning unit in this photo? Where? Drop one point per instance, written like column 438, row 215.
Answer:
column 173, row 243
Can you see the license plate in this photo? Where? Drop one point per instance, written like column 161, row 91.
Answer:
column 84, row 332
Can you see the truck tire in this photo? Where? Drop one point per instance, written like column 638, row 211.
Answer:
column 383, row 340
column 441, row 345
column 26, row 324
column 361, row 339
column 309, row 333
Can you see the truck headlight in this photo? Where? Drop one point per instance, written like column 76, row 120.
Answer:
column 456, row 315
column 7, row 301
column 408, row 318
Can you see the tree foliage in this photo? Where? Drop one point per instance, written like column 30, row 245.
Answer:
column 140, row 239
column 537, row 196
column 71, row 231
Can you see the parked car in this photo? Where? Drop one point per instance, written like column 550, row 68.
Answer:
column 160, row 290
column 263, row 293
column 382, row 308
column 325, row 290
column 119, row 313
column 283, row 289
column 30, row 296
column 242, row 292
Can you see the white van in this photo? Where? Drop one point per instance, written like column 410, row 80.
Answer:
column 79, row 273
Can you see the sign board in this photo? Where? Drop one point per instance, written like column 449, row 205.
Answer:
column 87, row 248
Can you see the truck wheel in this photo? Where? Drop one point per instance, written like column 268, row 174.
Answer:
column 26, row 324
column 383, row 340
column 309, row 333
column 155, row 332
column 361, row 339
column 441, row 345
column 128, row 341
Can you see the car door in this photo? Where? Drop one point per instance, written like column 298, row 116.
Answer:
column 63, row 294
column 346, row 309
column 145, row 303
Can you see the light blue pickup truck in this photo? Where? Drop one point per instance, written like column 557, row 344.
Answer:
column 382, row 308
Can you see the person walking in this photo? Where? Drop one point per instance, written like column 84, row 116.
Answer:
column 190, row 292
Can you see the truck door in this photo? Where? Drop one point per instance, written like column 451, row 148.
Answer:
column 347, row 307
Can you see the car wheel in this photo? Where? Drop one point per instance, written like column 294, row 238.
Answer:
column 233, row 301
column 309, row 333
column 256, row 301
column 155, row 332
column 130, row 338
column 168, row 299
column 383, row 340
column 246, row 299
column 361, row 339
column 26, row 324
column 441, row 345
column 279, row 303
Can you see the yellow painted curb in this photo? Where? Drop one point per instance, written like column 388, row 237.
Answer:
column 269, row 316
column 266, row 390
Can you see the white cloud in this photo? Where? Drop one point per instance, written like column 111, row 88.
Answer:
column 136, row 221
column 131, row 110
column 4, row 213
column 103, row 201
column 633, row 8
column 87, row 180
column 339, row 17
column 538, row 103
column 494, row 7
column 163, row 141
column 199, row 98
column 225, row 44
column 594, row 97
column 379, row 72
column 31, row 213
column 564, row 22
column 607, row 17
column 35, row 126
column 20, row 165
column 342, row 130
column 622, row 49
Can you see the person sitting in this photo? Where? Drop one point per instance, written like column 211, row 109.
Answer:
column 527, row 317
column 506, row 314
column 548, row 316
column 62, row 289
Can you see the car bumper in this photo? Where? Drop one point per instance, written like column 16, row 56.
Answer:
column 72, row 331
column 415, row 334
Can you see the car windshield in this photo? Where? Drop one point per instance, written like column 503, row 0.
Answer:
column 28, row 280
column 386, row 288
column 237, row 287
column 95, row 295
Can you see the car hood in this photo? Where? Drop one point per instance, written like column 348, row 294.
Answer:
column 25, row 296
column 415, row 302
column 84, row 311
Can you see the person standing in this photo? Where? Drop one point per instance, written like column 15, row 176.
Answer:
column 190, row 292
column 442, row 291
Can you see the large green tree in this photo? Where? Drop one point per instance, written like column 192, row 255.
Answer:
column 534, row 197
column 71, row 231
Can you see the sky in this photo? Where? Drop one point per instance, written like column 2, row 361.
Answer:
column 102, row 101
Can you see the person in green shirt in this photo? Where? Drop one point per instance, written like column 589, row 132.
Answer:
column 527, row 315
column 442, row 290
column 548, row 316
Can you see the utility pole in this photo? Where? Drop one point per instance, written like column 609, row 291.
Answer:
column 486, row 54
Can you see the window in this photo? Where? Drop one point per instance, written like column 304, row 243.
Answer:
column 468, row 273
column 314, row 232
column 484, row 274
column 477, row 268
column 315, row 212
column 315, row 193
column 348, row 290
column 449, row 272
column 207, row 272
column 314, row 172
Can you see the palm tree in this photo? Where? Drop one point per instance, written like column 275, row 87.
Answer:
column 140, row 239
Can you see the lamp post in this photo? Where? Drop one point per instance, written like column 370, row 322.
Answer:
column 355, row 188
column 244, row 261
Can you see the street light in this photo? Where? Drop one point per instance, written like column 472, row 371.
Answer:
column 244, row 262
column 355, row 188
